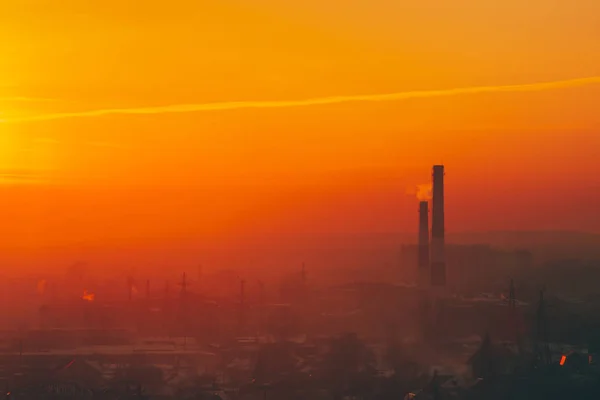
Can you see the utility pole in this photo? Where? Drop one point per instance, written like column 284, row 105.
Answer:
column 512, row 305
column 167, row 316
column 304, row 285
column 264, row 387
column 542, row 346
column 512, row 300
column 242, row 316
column 261, row 306
column 200, row 276
column 183, row 305
column 512, row 310
column 435, row 386
column 167, row 290
column 130, row 284
column 20, row 355
column 184, row 285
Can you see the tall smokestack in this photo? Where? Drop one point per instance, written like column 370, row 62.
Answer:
column 438, row 259
column 423, row 261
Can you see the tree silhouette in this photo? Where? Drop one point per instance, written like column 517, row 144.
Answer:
column 483, row 361
column 273, row 361
column 349, row 366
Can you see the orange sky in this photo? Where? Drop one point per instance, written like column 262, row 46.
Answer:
column 515, row 159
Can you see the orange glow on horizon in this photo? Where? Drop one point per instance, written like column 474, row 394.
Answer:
column 295, row 117
column 88, row 296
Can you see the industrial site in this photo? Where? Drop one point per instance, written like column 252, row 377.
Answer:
column 457, row 322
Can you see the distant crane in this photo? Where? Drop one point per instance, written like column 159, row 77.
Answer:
column 513, row 317
column 183, row 305
column 184, row 285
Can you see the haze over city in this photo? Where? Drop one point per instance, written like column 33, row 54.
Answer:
column 289, row 145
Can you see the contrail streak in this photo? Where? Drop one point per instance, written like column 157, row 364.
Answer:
column 187, row 108
column 24, row 99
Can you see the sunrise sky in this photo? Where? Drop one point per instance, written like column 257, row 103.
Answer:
column 72, row 173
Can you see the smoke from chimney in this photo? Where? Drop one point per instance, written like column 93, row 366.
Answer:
column 423, row 192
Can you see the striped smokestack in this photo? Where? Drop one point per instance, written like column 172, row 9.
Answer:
column 438, row 260
column 423, row 262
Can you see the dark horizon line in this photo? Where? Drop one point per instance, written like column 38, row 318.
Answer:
column 203, row 243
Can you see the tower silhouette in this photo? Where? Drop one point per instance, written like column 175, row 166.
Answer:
column 242, row 308
column 512, row 311
column 542, row 347
column 183, row 306
column 438, row 258
column 130, row 285
column 261, row 306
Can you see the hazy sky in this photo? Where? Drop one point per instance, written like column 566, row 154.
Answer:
column 515, row 159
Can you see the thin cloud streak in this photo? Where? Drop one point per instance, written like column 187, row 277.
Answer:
column 24, row 99
column 19, row 176
column 105, row 145
column 45, row 140
column 187, row 108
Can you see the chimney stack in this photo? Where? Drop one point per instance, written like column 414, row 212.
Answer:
column 438, row 259
column 423, row 260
